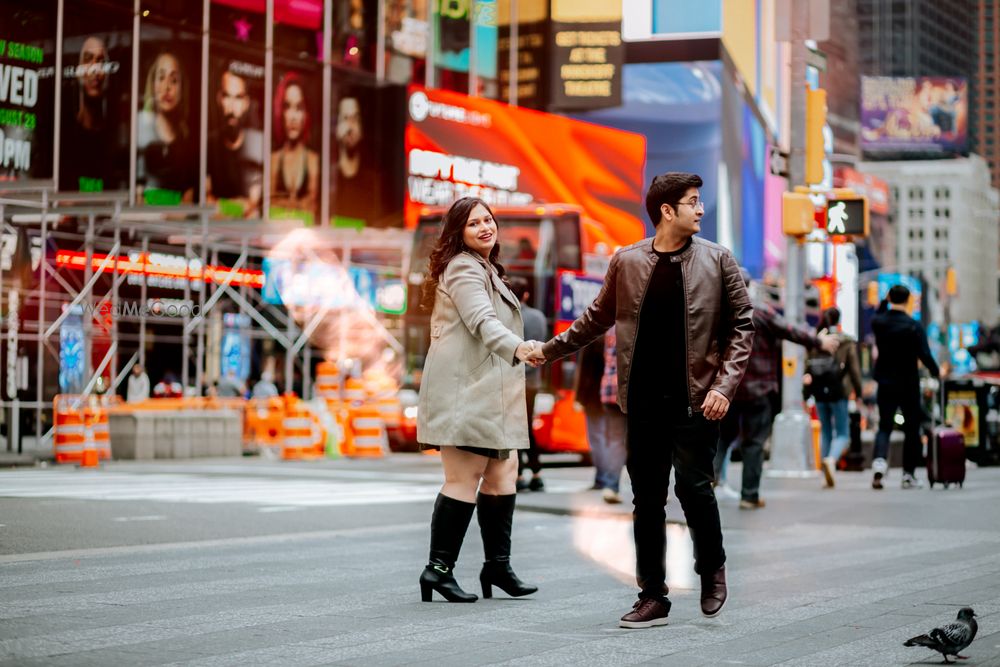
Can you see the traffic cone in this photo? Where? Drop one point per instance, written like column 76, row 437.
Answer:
column 89, row 458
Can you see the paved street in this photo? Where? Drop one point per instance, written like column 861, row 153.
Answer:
column 227, row 562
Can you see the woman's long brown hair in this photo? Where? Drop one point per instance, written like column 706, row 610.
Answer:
column 450, row 243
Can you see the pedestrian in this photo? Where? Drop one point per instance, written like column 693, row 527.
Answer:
column 684, row 327
column 615, row 422
column 587, row 394
column 535, row 328
column 832, row 379
column 901, row 342
column 168, row 387
column 472, row 400
column 138, row 385
column 230, row 386
column 265, row 387
column 749, row 420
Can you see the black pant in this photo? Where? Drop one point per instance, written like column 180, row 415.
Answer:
column 529, row 458
column 907, row 399
column 658, row 441
column 749, row 420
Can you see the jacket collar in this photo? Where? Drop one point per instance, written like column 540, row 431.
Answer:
column 498, row 284
column 648, row 242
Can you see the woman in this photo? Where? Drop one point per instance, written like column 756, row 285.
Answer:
column 472, row 400
column 167, row 156
column 830, row 380
column 294, row 166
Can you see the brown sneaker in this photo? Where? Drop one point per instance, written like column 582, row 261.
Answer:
column 752, row 504
column 646, row 613
column 714, row 592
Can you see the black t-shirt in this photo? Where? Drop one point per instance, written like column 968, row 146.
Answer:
column 659, row 365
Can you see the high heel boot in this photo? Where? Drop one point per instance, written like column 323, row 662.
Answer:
column 496, row 514
column 448, row 525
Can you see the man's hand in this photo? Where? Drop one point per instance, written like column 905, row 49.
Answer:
column 828, row 343
column 715, row 405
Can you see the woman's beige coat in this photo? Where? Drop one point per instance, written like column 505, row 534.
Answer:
column 472, row 388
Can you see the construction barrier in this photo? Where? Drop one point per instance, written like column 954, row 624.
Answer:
column 327, row 384
column 77, row 421
column 368, row 437
column 97, row 432
column 264, row 424
column 303, row 434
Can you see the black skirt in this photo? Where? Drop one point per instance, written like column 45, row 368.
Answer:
column 500, row 454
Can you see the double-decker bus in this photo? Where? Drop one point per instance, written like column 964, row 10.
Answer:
column 563, row 254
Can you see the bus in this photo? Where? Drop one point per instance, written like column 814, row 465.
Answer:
column 563, row 254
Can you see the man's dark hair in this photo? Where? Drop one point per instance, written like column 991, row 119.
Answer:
column 899, row 294
column 520, row 286
column 668, row 188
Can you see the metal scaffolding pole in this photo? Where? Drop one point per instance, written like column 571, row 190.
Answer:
column 40, row 357
column 203, row 287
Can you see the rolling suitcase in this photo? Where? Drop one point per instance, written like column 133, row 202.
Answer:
column 946, row 458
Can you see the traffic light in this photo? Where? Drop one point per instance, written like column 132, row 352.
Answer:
column 797, row 211
column 815, row 120
column 847, row 215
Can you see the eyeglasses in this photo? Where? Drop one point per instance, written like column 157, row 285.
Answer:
column 697, row 203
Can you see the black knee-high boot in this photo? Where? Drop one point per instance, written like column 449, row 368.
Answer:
column 496, row 514
column 448, row 525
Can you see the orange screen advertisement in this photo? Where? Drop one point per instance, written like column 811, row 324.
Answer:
column 458, row 145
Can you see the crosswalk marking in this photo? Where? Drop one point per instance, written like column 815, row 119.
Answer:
column 274, row 494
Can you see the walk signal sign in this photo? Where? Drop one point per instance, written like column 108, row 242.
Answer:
column 847, row 216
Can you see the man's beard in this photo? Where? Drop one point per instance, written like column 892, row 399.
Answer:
column 232, row 130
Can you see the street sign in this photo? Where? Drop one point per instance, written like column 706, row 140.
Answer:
column 847, row 217
column 777, row 161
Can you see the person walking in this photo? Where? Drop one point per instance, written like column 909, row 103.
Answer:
column 138, row 385
column 472, row 400
column 749, row 420
column 684, row 329
column 587, row 394
column 615, row 423
column 901, row 342
column 534, row 329
column 831, row 379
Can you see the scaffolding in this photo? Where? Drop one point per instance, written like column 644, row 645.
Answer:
column 101, row 227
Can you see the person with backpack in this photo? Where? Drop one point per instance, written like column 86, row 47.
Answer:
column 750, row 416
column 830, row 379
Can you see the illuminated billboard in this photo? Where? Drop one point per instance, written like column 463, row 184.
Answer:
column 914, row 115
column 458, row 146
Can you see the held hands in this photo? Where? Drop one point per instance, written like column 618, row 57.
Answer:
column 530, row 352
column 715, row 406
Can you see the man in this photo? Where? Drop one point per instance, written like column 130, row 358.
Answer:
column 750, row 416
column 534, row 329
column 901, row 341
column 138, row 385
column 235, row 152
column 677, row 372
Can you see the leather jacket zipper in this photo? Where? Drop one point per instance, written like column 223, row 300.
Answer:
column 687, row 330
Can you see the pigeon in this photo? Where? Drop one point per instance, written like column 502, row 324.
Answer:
column 951, row 638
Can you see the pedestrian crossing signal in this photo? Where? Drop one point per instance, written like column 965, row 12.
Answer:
column 847, row 216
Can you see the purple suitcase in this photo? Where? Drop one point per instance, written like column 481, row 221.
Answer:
column 946, row 459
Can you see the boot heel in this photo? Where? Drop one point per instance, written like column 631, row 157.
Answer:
column 425, row 592
column 487, row 588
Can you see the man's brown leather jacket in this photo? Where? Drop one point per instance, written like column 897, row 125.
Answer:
column 718, row 312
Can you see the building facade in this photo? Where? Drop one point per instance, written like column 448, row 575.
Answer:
column 985, row 121
column 945, row 216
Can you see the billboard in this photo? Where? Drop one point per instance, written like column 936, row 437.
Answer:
column 295, row 145
column 27, row 87
column 918, row 116
column 459, row 146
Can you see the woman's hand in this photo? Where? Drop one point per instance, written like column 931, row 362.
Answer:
column 526, row 352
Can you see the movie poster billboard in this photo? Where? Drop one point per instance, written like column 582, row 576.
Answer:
column 96, row 89
column 405, row 38
column 914, row 115
column 234, row 181
column 27, row 88
column 295, row 144
column 366, row 152
column 167, row 124
column 458, row 146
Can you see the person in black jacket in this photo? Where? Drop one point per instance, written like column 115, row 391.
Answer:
column 901, row 341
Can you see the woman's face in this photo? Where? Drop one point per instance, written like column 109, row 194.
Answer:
column 294, row 113
column 167, row 83
column 480, row 233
